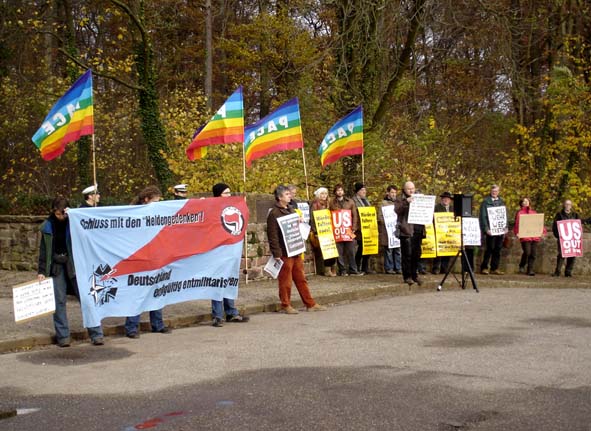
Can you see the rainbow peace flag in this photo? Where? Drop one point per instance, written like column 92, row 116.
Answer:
column 280, row 130
column 225, row 127
column 71, row 117
column 345, row 138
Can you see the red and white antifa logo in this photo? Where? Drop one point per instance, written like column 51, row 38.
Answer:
column 232, row 220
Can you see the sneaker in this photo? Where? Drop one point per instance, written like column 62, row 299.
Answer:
column 64, row 342
column 423, row 272
column 390, row 271
column 370, row 272
column 289, row 310
column 133, row 335
column 98, row 341
column 531, row 273
column 217, row 322
column 398, row 271
column 237, row 318
column 316, row 307
column 357, row 273
column 418, row 280
column 409, row 281
column 497, row 272
column 522, row 269
column 484, row 271
column 165, row 330
column 343, row 274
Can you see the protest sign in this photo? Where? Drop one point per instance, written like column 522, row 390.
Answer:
column 369, row 230
column 342, row 225
column 471, row 231
column 33, row 299
column 447, row 234
column 304, row 207
column 421, row 209
column 390, row 221
column 570, row 235
column 324, row 232
column 136, row 258
column 428, row 247
column 531, row 225
column 289, row 225
column 497, row 220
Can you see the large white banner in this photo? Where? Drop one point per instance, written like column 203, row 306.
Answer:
column 131, row 259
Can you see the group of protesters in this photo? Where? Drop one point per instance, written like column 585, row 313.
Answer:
column 399, row 257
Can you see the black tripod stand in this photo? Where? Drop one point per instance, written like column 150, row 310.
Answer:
column 465, row 264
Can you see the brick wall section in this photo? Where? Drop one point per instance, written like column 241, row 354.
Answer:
column 19, row 246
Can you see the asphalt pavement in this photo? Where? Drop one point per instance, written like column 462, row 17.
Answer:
column 254, row 297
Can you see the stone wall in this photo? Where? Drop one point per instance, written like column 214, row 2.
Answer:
column 19, row 246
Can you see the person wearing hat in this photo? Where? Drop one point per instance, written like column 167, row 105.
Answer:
column 440, row 264
column 361, row 260
column 226, row 306
column 180, row 191
column 91, row 197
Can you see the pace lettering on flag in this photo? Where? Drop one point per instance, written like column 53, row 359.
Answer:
column 279, row 131
column 345, row 138
column 225, row 127
column 70, row 118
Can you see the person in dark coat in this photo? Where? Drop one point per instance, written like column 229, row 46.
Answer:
column 56, row 261
column 566, row 213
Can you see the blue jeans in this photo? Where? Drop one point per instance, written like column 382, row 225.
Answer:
column 60, row 316
column 132, row 324
column 218, row 307
column 392, row 260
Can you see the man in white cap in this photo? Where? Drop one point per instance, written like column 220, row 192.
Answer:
column 91, row 196
column 180, row 191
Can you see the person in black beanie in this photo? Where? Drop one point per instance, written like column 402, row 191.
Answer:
column 219, row 308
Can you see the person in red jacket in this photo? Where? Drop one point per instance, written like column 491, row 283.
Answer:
column 528, row 245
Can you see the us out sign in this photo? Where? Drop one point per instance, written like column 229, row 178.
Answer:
column 570, row 235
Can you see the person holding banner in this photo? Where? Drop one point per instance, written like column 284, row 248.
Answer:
column 440, row 264
column 566, row 213
column 345, row 223
column 361, row 260
column 56, row 260
column 320, row 202
column 411, row 236
column 528, row 245
column 494, row 230
column 292, row 269
column 227, row 307
column 132, row 324
column 388, row 241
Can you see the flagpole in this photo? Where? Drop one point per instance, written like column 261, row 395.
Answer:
column 305, row 174
column 94, row 165
column 362, row 169
column 246, row 232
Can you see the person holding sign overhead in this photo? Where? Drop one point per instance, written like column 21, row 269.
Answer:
column 493, row 224
column 292, row 269
column 528, row 244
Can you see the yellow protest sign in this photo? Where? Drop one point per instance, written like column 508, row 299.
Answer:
column 369, row 229
column 323, row 221
column 448, row 233
column 428, row 245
